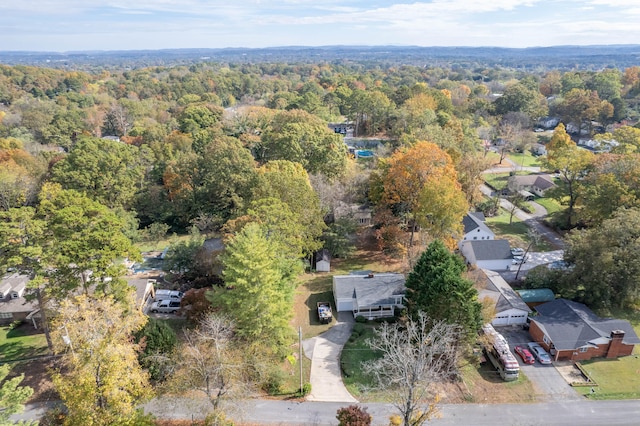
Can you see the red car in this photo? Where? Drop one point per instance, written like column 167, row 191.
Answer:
column 524, row 353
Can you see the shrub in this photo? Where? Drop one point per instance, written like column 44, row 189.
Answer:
column 361, row 319
column 306, row 389
column 273, row 383
column 358, row 328
column 353, row 416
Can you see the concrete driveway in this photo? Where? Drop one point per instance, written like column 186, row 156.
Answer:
column 324, row 351
column 550, row 385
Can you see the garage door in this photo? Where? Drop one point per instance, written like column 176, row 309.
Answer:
column 500, row 320
column 344, row 305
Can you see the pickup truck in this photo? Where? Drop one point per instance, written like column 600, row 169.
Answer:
column 324, row 312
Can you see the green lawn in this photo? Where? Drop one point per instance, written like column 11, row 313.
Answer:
column 354, row 353
column 21, row 343
column 496, row 180
column 525, row 159
column 550, row 204
column 516, row 232
column 616, row 378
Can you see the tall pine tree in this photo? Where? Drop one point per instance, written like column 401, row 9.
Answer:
column 437, row 288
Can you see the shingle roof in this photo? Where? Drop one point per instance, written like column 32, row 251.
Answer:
column 489, row 250
column 542, row 181
column 370, row 291
column 473, row 221
column 501, row 292
column 571, row 325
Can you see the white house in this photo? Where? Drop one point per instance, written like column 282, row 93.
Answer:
column 369, row 295
column 475, row 228
column 509, row 307
column 488, row 254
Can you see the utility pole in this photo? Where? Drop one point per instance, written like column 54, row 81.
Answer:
column 300, row 357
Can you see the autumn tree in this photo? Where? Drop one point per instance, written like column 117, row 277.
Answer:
column 572, row 163
column 415, row 357
column 421, row 183
column 209, row 361
column 100, row 382
column 437, row 288
column 353, row 415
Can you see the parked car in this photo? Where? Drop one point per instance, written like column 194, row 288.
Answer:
column 162, row 294
column 524, row 353
column 165, row 306
column 539, row 352
column 517, row 251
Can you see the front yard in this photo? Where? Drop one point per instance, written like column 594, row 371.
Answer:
column 21, row 342
column 616, row 378
column 517, row 232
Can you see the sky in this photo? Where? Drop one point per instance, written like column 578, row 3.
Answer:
column 75, row 25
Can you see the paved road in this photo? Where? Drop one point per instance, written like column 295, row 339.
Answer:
column 566, row 413
column 270, row 412
column 326, row 376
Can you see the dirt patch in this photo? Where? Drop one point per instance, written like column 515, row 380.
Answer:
column 37, row 377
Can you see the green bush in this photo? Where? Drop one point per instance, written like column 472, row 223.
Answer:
column 273, row 384
column 358, row 328
column 361, row 319
column 306, row 389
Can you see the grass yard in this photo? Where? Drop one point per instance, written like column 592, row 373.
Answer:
column 525, row 159
column 21, row 342
column 484, row 385
column 552, row 206
column 497, row 181
column 516, row 232
column 616, row 378
column 354, row 353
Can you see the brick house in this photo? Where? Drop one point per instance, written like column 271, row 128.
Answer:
column 571, row 331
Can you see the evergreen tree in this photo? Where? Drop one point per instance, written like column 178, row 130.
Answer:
column 259, row 292
column 437, row 288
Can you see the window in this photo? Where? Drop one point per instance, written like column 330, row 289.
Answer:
column 4, row 315
column 584, row 349
column 14, row 295
column 546, row 339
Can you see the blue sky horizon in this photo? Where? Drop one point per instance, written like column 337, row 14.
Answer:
column 94, row 25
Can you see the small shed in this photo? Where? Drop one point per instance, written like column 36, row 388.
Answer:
column 536, row 296
column 323, row 261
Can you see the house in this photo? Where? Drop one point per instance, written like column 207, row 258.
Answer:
column 539, row 149
column 509, row 307
column 549, row 122
column 323, row 260
column 361, row 213
column 571, row 331
column 369, row 295
column 537, row 183
column 475, row 228
column 145, row 291
column 494, row 255
column 13, row 305
column 536, row 296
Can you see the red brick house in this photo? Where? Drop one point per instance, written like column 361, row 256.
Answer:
column 571, row 331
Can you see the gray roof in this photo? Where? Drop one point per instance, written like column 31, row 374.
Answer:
column 571, row 325
column 501, row 293
column 489, row 250
column 473, row 221
column 542, row 181
column 15, row 282
column 379, row 289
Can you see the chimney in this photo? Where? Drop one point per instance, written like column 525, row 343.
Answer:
column 616, row 343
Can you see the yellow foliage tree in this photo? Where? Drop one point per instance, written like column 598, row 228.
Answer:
column 100, row 381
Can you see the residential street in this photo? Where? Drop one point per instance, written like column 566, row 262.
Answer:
column 566, row 413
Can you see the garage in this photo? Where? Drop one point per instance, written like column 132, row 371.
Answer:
column 511, row 317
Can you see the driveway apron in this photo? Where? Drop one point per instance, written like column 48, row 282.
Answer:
column 326, row 378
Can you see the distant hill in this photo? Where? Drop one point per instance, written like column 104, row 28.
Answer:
column 526, row 59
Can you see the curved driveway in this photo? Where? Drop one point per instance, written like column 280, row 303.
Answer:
column 326, row 377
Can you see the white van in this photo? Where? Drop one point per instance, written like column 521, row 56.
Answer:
column 168, row 295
